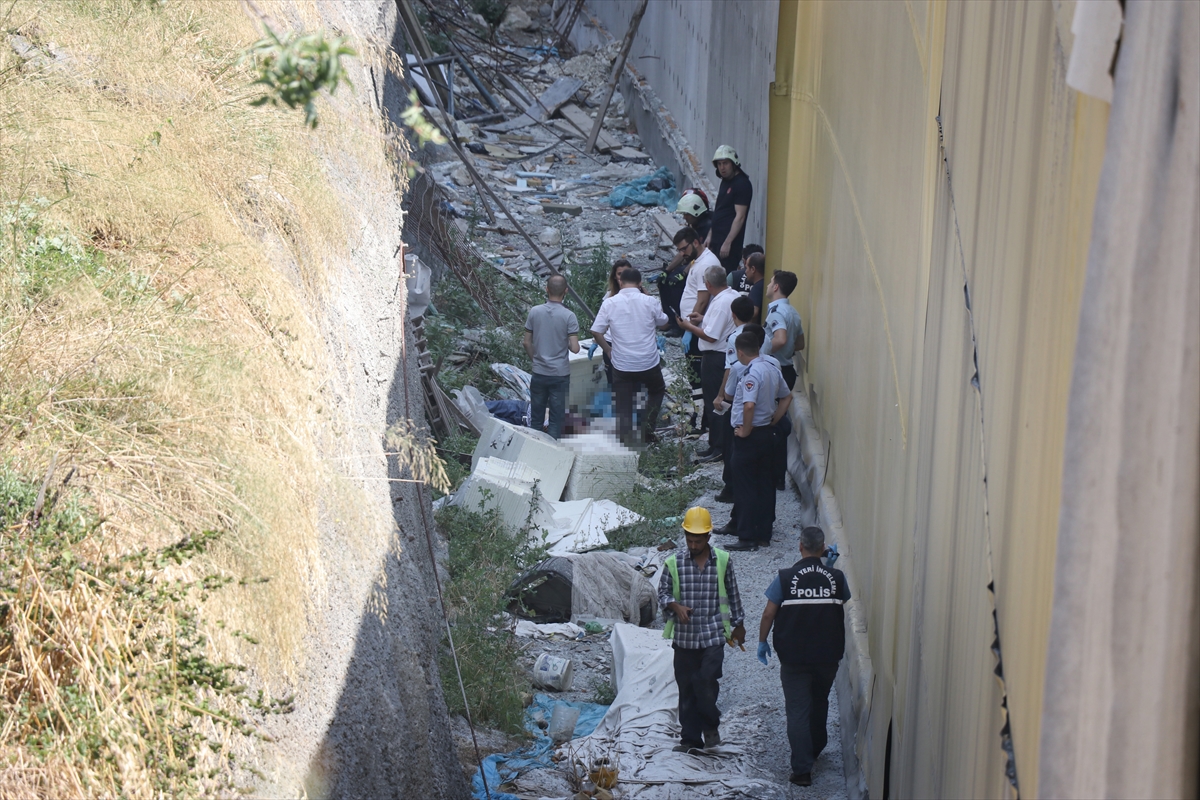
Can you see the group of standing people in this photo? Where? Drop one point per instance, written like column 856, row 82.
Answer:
column 712, row 295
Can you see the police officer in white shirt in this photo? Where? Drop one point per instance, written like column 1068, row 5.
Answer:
column 631, row 320
column 760, row 400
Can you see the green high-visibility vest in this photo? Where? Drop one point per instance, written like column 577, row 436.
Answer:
column 722, row 598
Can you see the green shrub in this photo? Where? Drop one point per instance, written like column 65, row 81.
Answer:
column 485, row 556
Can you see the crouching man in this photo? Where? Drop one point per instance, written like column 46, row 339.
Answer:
column 805, row 604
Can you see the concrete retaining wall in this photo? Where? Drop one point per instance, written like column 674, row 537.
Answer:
column 698, row 77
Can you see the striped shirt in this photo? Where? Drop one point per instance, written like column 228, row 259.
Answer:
column 698, row 591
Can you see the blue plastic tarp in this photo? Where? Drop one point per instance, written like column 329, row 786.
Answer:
column 635, row 191
column 502, row 767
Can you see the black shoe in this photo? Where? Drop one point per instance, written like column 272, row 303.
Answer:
column 726, row 496
column 712, row 739
column 743, row 544
column 687, row 747
column 799, row 779
column 709, row 457
column 727, row 530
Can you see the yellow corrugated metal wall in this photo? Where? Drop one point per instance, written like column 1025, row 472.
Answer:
column 940, row 271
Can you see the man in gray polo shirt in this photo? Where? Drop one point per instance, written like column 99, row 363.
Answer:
column 550, row 331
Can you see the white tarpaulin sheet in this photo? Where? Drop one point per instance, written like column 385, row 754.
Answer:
column 642, row 726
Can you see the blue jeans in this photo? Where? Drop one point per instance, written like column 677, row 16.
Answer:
column 548, row 391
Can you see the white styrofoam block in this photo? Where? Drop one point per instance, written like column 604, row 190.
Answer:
column 535, row 449
column 507, row 486
column 603, row 468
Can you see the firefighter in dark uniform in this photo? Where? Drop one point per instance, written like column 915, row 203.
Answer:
column 805, row 603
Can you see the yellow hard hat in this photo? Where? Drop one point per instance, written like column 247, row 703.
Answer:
column 697, row 520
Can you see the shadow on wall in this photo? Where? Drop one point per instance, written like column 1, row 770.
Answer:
column 390, row 732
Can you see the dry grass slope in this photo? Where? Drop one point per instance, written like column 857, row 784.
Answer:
column 153, row 350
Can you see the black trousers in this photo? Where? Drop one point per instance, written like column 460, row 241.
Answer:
column 789, row 375
column 779, row 450
column 625, row 385
column 712, row 371
column 754, row 484
column 697, row 673
column 806, row 702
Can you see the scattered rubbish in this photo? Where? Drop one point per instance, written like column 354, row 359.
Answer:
column 553, row 672
column 562, row 208
column 580, row 525
column 638, row 191
column 417, row 282
column 532, row 630
column 562, row 722
column 501, row 768
column 596, row 585
column 471, row 403
column 515, row 378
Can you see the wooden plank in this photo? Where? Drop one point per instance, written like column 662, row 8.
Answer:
column 543, row 108
column 583, row 121
column 667, row 226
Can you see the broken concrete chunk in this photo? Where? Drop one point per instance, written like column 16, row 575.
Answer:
column 461, row 176
column 517, row 20
column 562, row 208
column 550, row 236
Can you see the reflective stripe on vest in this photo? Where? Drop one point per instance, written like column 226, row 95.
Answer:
column 722, row 598
column 811, row 600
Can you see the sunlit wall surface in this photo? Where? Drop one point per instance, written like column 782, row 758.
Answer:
column 932, row 184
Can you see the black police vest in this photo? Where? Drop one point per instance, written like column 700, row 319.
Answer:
column 810, row 624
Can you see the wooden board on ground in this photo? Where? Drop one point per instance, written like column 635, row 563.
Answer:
column 566, row 128
column 631, row 154
column 667, row 226
column 543, row 108
column 583, row 122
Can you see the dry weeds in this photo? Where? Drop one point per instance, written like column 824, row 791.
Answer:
column 150, row 341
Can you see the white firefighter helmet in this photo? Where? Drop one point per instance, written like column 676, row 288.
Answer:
column 691, row 204
column 726, row 152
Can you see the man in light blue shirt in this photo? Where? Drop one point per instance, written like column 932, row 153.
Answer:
column 760, row 400
column 785, row 334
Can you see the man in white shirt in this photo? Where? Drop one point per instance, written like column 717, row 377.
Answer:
column 710, row 329
column 631, row 320
column 690, row 247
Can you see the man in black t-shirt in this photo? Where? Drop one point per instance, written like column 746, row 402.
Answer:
column 749, row 279
column 738, row 281
column 806, row 603
column 733, row 204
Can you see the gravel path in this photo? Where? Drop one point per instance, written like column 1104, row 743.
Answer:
column 749, row 687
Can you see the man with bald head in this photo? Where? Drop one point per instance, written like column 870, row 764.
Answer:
column 551, row 329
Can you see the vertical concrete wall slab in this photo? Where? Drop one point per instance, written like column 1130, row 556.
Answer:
column 709, row 65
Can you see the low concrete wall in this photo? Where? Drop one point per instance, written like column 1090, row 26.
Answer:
column 856, row 677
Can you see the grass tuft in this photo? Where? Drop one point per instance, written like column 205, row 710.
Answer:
column 484, row 558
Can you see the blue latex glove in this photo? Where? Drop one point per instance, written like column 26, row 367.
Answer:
column 764, row 652
column 662, row 343
column 592, row 350
column 686, row 341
